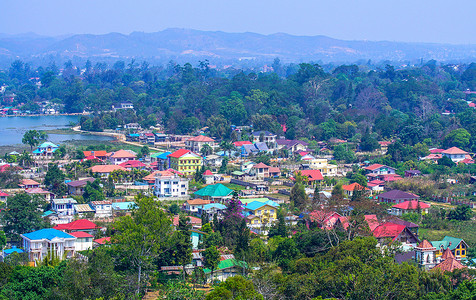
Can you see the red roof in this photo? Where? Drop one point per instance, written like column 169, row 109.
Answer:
column 193, row 220
column 81, row 234
column 91, row 157
column 389, row 229
column 241, row 143
column 374, row 167
column 385, row 143
column 29, row 182
column 312, row 175
column 179, row 153
column 106, row 168
column 372, row 221
column 434, row 151
column 103, row 240
column 208, row 173
column 447, row 254
column 201, row 138
column 80, row 224
column 454, row 150
column 132, row 164
column 391, row 177
column 466, row 161
column 413, row 204
column 354, row 187
column 2, row 194
column 449, row 265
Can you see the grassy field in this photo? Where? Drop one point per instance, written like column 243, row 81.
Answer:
column 464, row 230
column 235, row 187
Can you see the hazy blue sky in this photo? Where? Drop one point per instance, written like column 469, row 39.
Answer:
column 450, row 21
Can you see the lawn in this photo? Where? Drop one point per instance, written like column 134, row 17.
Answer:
column 235, row 187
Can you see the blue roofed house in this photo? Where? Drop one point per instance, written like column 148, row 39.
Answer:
column 254, row 149
column 211, row 209
column 38, row 244
column 9, row 251
column 260, row 214
column 47, row 149
column 196, row 236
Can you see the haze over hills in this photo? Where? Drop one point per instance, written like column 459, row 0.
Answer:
column 187, row 44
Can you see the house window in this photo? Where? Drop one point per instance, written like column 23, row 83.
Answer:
column 457, row 252
column 463, row 252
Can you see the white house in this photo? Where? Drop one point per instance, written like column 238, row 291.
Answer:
column 84, row 240
column 196, row 143
column 168, row 184
column 266, row 137
column 193, row 205
column 455, row 154
column 118, row 157
column 38, row 244
column 103, row 209
column 321, row 164
column 63, row 206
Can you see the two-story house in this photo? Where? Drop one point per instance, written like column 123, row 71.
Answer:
column 120, row 156
column 378, row 169
column 103, row 209
column 77, row 187
column 260, row 214
column 38, row 244
column 266, row 137
column 46, row 149
column 185, row 161
column 455, row 154
column 169, row 184
column 63, row 206
column 196, row 143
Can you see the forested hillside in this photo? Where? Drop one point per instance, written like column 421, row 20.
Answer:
column 414, row 104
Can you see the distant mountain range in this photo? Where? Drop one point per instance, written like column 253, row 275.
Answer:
column 187, row 44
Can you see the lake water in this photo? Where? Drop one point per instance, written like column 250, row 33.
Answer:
column 13, row 128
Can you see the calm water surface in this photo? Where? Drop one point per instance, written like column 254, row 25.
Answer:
column 13, row 128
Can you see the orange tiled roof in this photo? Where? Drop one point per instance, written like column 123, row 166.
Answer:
column 449, row 265
column 454, row 150
column 425, row 245
column 354, row 187
column 122, row 154
column 201, row 138
column 106, row 168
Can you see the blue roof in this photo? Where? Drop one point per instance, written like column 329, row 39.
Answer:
column 124, row 205
column 164, row 155
column 47, row 233
column 47, row 213
column 38, row 151
column 13, row 249
column 256, row 204
column 213, row 205
column 48, row 144
column 134, row 134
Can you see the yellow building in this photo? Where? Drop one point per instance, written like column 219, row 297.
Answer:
column 261, row 214
column 458, row 247
column 185, row 161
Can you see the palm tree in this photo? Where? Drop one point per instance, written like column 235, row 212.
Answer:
column 206, row 150
column 227, row 147
column 25, row 159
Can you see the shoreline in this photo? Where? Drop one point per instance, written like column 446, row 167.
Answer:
column 43, row 115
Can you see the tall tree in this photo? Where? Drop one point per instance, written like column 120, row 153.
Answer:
column 142, row 236
column 212, row 259
column 22, row 215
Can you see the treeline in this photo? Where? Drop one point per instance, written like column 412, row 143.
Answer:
column 349, row 102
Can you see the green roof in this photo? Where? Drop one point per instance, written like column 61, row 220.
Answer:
column 237, row 173
column 447, row 242
column 227, row 263
column 215, row 190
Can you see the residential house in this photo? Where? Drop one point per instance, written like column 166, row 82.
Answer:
column 103, row 209
column 241, row 143
column 321, row 164
column 260, row 170
column 123, row 105
column 246, row 167
column 38, row 244
column 102, row 241
column 209, row 177
column 254, row 149
column 192, row 206
column 196, row 143
column 46, row 149
column 63, row 206
column 351, row 188
column 449, row 263
column 3, row 196
column 425, row 255
column 397, row 196
column 196, row 236
column 215, row 192
column 77, row 187
column 455, row 154
column 83, row 210
column 100, row 154
column 211, row 209
column 378, row 169
column 313, row 176
column 291, row 145
column 326, row 219
column 376, row 185
column 394, row 232
column 133, row 164
column 169, row 184
column 274, row 172
column 160, row 161
column 28, row 184
column 260, row 214
column 213, row 160
column 6, row 252
column 132, row 126
column 84, row 240
column 227, row 268
column 193, row 221
column 147, row 138
column 105, row 170
column 40, row 192
column 409, row 206
column 185, row 161
column 457, row 246
column 266, row 137
column 120, row 156
column 82, row 225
